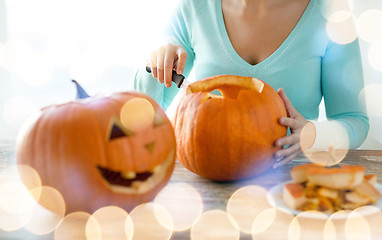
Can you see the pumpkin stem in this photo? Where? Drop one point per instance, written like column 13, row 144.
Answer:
column 80, row 91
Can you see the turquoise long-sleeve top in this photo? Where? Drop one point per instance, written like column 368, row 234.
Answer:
column 308, row 65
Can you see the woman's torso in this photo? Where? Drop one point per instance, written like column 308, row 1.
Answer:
column 293, row 62
column 258, row 29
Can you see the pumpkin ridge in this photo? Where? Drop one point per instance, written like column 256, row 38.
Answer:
column 196, row 165
column 181, row 140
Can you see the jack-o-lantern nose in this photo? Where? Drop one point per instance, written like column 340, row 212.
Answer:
column 150, row 147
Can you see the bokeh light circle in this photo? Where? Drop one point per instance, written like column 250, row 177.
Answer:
column 341, row 27
column 16, row 203
column 114, row 223
column 278, row 229
column 370, row 25
column 183, row 202
column 373, row 216
column 15, row 198
column 151, row 221
column 307, row 136
column 357, row 227
column 104, row 45
column 16, row 3
column 49, row 211
column 329, row 7
column 374, row 56
column 264, row 220
column 74, row 225
column 15, row 50
column 330, row 143
column 376, row 128
column 88, row 67
column 34, row 69
column 330, row 231
column 215, row 224
column 137, row 114
column 17, row 109
column 335, row 225
column 373, row 96
column 245, row 204
column 3, row 55
column 29, row 177
column 14, row 195
column 11, row 222
column 308, row 225
column 61, row 51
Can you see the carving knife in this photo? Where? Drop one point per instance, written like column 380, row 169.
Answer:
column 178, row 79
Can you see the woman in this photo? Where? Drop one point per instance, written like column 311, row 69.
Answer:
column 282, row 42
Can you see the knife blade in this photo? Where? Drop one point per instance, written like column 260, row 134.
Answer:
column 178, row 79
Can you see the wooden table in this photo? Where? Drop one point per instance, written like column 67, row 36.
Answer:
column 216, row 195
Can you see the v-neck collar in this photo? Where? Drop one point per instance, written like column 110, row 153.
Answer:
column 270, row 59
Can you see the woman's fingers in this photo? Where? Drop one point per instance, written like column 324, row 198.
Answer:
column 286, row 155
column 287, row 140
column 153, row 64
column 166, row 59
column 289, row 122
column 292, row 112
column 295, row 121
column 181, row 63
column 285, row 160
column 169, row 65
column 160, row 64
column 294, row 148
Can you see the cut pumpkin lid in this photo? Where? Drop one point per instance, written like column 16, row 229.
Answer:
column 229, row 85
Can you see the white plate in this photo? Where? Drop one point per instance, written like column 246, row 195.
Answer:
column 275, row 199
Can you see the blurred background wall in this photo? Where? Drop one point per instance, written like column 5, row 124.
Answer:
column 46, row 43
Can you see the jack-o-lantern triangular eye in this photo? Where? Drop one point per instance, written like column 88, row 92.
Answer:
column 117, row 130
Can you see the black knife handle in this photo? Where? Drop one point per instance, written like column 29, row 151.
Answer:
column 178, row 79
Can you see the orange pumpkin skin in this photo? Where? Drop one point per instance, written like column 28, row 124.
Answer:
column 67, row 143
column 230, row 137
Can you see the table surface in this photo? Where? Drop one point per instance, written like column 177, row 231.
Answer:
column 215, row 195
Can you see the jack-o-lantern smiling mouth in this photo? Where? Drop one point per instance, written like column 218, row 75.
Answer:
column 136, row 182
column 125, row 179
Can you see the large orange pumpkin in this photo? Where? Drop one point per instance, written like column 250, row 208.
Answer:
column 82, row 149
column 232, row 136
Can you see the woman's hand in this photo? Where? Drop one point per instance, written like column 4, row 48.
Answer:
column 295, row 121
column 165, row 59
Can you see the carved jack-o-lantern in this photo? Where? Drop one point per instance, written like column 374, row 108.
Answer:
column 102, row 150
column 232, row 136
